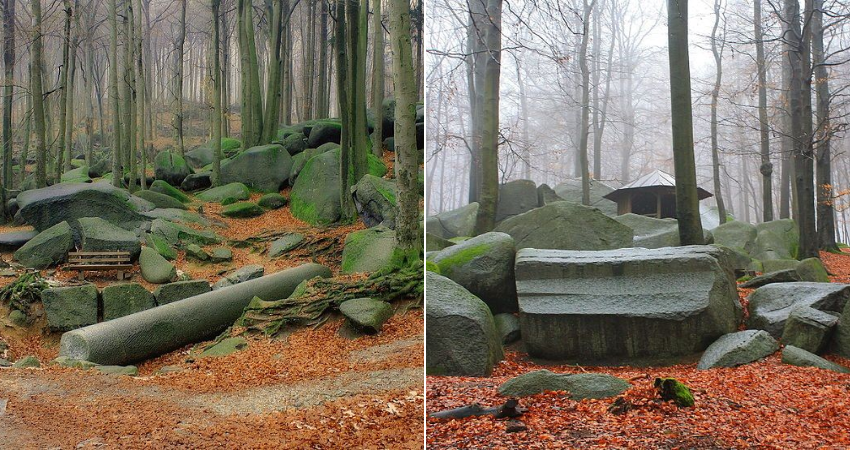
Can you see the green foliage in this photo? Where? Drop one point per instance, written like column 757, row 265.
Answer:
column 675, row 390
column 24, row 291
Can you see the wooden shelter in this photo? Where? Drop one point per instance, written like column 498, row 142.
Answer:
column 652, row 195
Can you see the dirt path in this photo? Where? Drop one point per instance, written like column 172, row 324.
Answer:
column 368, row 391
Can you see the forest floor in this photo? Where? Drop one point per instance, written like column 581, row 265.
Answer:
column 310, row 388
column 766, row 405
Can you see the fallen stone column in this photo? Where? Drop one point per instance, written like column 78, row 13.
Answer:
column 168, row 327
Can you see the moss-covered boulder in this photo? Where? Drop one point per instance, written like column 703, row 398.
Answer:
column 235, row 190
column 671, row 389
column 242, row 210
column 775, row 265
column 737, row 235
column 300, row 160
column 160, row 200
column 516, row 197
column 172, row 292
column 434, row 243
column 195, row 252
column 158, row 243
column 484, row 265
column 225, row 347
column 156, row 269
column 196, row 181
column 26, row 362
column 316, row 192
column 264, row 168
column 78, row 175
column 294, row 143
column 98, row 235
column 324, row 132
column 579, row 386
column 368, row 250
column 164, row 188
column 176, row 234
column 204, row 155
column 812, row 269
column 375, row 200
column 366, row 314
column 171, row 168
column 462, row 338
column 272, row 200
column 48, row 248
column 67, row 202
column 70, row 307
column 777, row 239
column 124, row 299
column 568, row 226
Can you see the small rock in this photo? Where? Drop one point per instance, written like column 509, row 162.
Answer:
column 225, row 347
column 242, row 210
column 118, row 370
column 18, row 318
column 272, row 201
column 156, row 269
column 798, row 357
column 196, row 252
column 65, row 361
column 366, row 314
column 515, row 426
column 808, row 329
column 782, row 276
column 221, row 254
column 26, row 362
column 240, row 276
column 735, row 349
column 580, row 386
column 285, row 244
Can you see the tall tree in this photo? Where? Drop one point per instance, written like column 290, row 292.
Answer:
column 766, row 168
column 825, row 211
column 408, row 238
column 378, row 76
column 38, row 96
column 252, row 102
column 273, row 87
column 64, row 89
column 8, row 92
column 217, row 73
column 322, row 96
column 715, row 94
column 584, row 131
column 687, row 199
column 141, row 96
column 486, row 20
column 179, row 42
column 117, row 166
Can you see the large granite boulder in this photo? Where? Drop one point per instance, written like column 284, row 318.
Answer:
column 13, row 240
column 580, row 386
column 171, row 168
column 300, row 160
column 567, row 226
column 546, row 195
column 196, row 182
column 771, row 305
column 324, row 132
column 48, row 248
column 160, row 186
column 155, row 268
column 737, row 235
column 735, row 349
column 375, row 200
column 160, row 200
column 294, row 144
column 484, row 265
column 841, row 339
column 264, row 168
column 796, row 356
column 780, row 276
column 454, row 223
column 204, row 155
column 651, row 232
column 315, row 195
column 462, row 338
column 812, row 269
column 778, row 239
column 570, row 191
column 366, row 314
column 180, row 235
column 808, row 328
column 242, row 210
column 67, row 202
column 78, row 175
column 172, row 292
column 516, row 197
column 70, row 307
column 368, row 250
column 123, row 299
column 612, row 306
column 98, row 235
column 235, row 190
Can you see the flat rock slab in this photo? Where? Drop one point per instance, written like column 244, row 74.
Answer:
column 735, row 349
column 580, row 386
column 172, row 292
column 799, row 357
column 781, row 276
column 14, row 240
column 615, row 305
column 771, row 305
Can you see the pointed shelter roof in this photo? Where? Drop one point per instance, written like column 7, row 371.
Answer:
column 652, row 181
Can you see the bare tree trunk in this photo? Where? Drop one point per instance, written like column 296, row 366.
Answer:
column 408, row 237
column 89, row 83
column 117, row 142
column 585, row 104
column 523, row 102
column 8, row 92
column 825, row 211
column 216, row 131
column 766, row 168
column 378, row 77
column 63, row 86
column 687, row 200
column 38, row 97
column 275, row 63
column 141, row 97
column 177, row 118
column 715, row 93
column 323, row 97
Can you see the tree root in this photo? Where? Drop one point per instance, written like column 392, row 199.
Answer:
column 313, row 299
column 23, row 292
column 510, row 409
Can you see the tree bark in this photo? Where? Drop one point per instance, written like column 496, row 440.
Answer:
column 715, row 93
column 216, row 131
column 8, row 92
column 179, row 43
column 825, row 210
column 766, row 168
column 38, row 97
column 378, row 76
column 687, row 200
column 585, row 104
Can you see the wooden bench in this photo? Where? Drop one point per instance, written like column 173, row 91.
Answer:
column 98, row 262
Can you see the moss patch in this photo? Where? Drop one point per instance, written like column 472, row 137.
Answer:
column 461, row 257
column 675, row 390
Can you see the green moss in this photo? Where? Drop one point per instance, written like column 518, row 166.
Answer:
column 744, row 279
column 376, row 166
column 675, row 390
column 162, row 187
column 461, row 257
column 228, row 200
column 388, row 194
column 305, row 211
column 431, row 267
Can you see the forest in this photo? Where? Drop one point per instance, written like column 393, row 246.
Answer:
column 637, row 223
column 198, row 197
